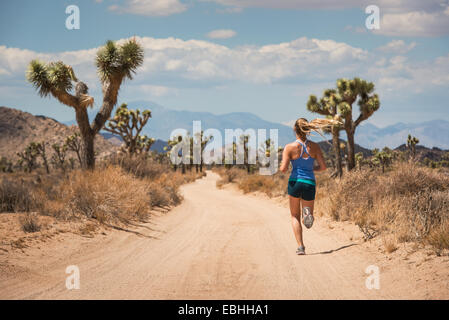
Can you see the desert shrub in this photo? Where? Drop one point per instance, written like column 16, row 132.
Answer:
column 255, row 182
column 159, row 196
column 17, row 195
column 107, row 194
column 141, row 166
column 228, row 175
column 438, row 238
column 30, row 222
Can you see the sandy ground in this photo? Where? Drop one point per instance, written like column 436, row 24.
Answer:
column 220, row 244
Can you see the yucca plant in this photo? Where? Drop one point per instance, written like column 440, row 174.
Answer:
column 5, row 165
column 59, row 155
column 128, row 124
column 383, row 158
column 411, row 145
column 73, row 143
column 41, row 151
column 359, row 160
column 114, row 64
column 28, row 157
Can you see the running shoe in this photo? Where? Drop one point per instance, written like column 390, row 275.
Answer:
column 307, row 217
column 301, row 250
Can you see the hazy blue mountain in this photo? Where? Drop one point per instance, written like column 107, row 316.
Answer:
column 433, row 133
column 164, row 120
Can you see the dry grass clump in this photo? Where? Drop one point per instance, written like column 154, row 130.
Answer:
column 228, row 175
column 30, row 222
column 271, row 185
column 140, row 166
column 253, row 183
column 107, row 194
column 390, row 244
column 17, row 195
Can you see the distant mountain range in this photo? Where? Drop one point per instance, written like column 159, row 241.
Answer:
column 433, row 133
column 164, row 120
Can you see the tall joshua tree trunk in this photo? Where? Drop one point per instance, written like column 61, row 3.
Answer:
column 350, row 148
column 327, row 106
column 337, row 151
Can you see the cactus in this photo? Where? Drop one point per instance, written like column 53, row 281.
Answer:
column 411, row 144
column 328, row 106
column 128, row 124
column 114, row 64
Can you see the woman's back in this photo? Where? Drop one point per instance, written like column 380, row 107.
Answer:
column 302, row 162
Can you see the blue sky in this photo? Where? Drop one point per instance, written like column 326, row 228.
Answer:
column 221, row 56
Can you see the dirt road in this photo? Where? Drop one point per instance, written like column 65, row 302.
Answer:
column 218, row 244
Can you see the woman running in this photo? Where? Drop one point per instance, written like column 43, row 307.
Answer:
column 301, row 185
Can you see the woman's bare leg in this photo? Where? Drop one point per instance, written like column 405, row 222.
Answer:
column 295, row 211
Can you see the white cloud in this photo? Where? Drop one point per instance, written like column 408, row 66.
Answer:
column 150, row 7
column 221, row 34
column 155, row 91
column 397, row 46
column 414, row 24
column 175, row 63
column 398, row 18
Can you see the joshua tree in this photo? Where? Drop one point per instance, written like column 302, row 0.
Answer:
column 28, row 157
column 328, row 106
column 359, row 159
column 40, row 147
column 383, row 158
column 73, row 143
column 339, row 103
column 58, row 157
column 169, row 147
column 411, row 144
column 349, row 92
column 114, row 64
column 204, row 142
column 245, row 139
column 128, row 124
column 5, row 165
column 72, row 163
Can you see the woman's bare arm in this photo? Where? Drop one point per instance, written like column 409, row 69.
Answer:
column 285, row 159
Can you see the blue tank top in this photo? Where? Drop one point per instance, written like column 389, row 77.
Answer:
column 303, row 167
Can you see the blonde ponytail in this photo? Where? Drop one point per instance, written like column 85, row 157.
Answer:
column 303, row 128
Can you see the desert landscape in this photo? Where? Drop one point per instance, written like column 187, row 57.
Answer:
column 163, row 150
